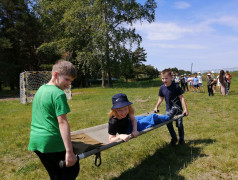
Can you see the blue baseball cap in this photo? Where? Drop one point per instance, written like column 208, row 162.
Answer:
column 119, row 101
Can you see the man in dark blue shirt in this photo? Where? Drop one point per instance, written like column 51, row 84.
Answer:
column 173, row 96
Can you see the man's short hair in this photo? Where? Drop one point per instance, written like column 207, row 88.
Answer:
column 167, row 71
column 65, row 68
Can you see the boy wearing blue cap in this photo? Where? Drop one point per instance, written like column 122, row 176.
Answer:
column 123, row 122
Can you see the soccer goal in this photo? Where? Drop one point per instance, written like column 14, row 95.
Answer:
column 30, row 81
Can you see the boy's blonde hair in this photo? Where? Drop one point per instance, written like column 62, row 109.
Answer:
column 65, row 68
column 113, row 112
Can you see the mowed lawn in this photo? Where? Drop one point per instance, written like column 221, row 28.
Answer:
column 211, row 135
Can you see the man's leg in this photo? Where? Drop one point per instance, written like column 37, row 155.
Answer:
column 184, row 87
column 187, row 86
column 209, row 90
column 212, row 92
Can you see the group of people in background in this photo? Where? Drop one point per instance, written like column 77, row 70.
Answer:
column 194, row 83
column 189, row 83
column 222, row 80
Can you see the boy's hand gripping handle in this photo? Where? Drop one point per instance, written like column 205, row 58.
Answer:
column 156, row 111
column 62, row 163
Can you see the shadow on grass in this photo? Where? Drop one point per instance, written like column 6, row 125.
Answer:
column 167, row 161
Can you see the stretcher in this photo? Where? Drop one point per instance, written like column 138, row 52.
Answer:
column 94, row 140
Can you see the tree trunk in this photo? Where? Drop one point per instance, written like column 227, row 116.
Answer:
column 103, row 79
column 109, row 79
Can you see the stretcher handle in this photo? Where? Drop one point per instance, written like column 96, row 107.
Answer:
column 156, row 111
column 98, row 160
column 62, row 163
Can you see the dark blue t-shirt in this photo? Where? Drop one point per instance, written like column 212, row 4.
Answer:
column 171, row 95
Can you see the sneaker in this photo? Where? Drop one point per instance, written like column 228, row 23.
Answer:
column 173, row 141
column 181, row 142
column 173, row 111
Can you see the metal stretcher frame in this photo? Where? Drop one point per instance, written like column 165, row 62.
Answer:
column 96, row 151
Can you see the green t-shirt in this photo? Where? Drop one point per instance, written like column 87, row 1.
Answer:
column 49, row 102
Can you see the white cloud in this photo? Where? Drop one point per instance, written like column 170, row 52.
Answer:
column 182, row 46
column 166, row 31
column 170, row 31
column 181, row 5
column 230, row 21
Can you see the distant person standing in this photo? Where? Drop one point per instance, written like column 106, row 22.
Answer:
column 214, row 84
column 195, row 83
column 186, row 81
column 173, row 76
column 200, row 83
column 222, row 79
column 177, row 79
column 190, row 82
column 218, row 84
column 228, row 79
column 209, row 85
column 182, row 81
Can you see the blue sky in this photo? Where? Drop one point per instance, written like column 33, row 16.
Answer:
column 202, row 32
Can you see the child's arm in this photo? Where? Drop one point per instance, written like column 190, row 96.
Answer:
column 182, row 99
column 70, row 157
column 124, row 137
column 135, row 133
column 160, row 100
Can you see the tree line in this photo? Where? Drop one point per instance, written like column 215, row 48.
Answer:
column 95, row 35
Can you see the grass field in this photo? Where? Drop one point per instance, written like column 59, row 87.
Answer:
column 211, row 134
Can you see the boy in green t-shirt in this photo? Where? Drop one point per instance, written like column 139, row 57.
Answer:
column 50, row 132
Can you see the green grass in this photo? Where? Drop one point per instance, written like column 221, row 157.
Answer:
column 211, row 134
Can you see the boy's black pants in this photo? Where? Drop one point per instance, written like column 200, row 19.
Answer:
column 186, row 85
column 51, row 163
column 210, row 91
column 183, row 86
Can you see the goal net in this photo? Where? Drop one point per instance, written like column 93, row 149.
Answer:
column 30, row 81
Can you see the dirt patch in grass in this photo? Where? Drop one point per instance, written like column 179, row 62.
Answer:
column 12, row 98
column 9, row 98
column 141, row 100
